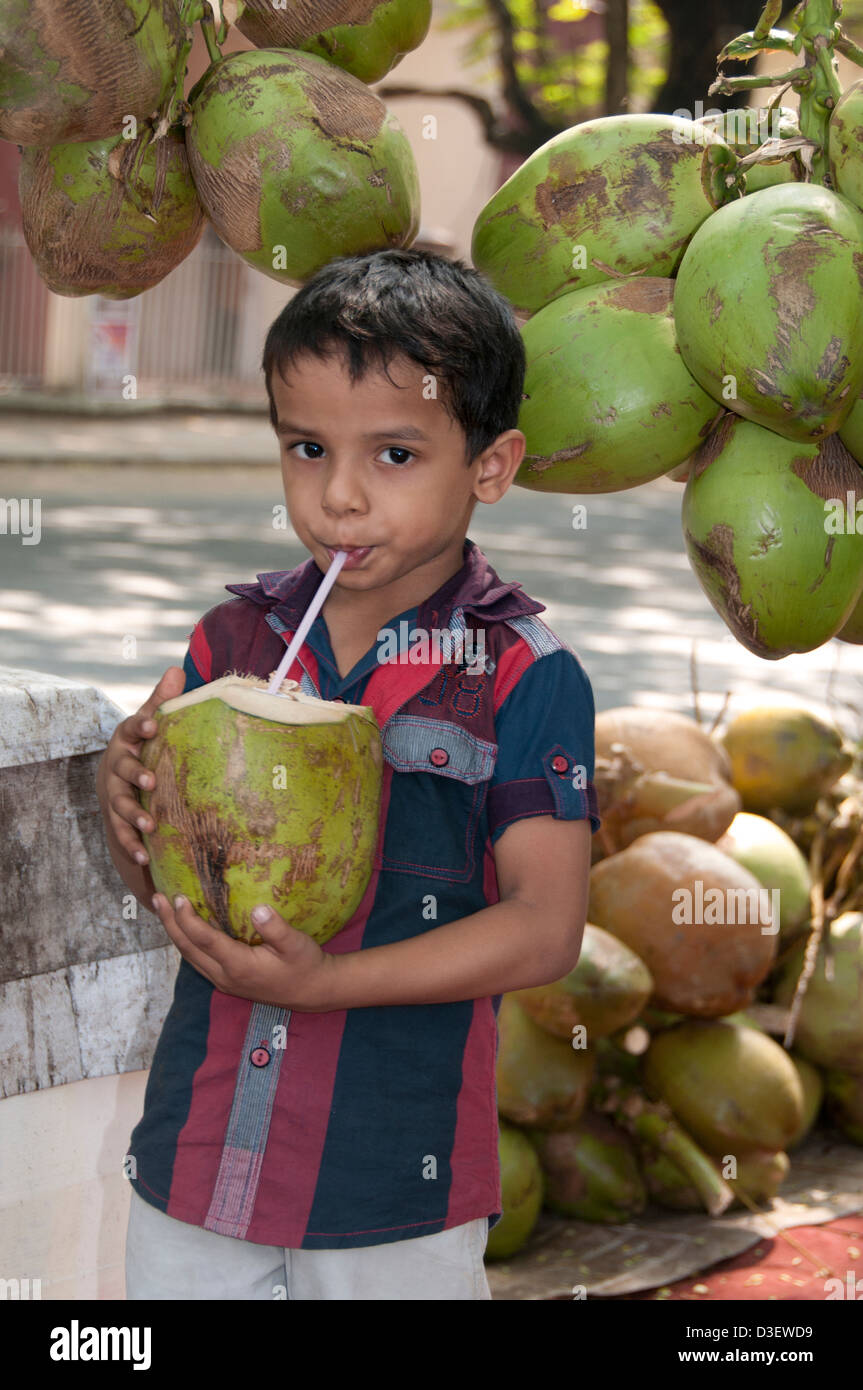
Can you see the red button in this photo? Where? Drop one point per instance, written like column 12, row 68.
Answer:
column 439, row 756
column 560, row 763
column 260, row 1057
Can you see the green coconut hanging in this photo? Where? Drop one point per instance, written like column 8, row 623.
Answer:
column 78, row 69
column 111, row 216
column 608, row 402
column 297, row 162
column 364, row 37
column 760, row 525
column 614, row 196
column 769, row 308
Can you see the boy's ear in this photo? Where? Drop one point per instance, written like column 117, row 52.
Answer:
column 498, row 465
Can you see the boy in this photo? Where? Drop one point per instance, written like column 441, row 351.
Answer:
column 321, row 1123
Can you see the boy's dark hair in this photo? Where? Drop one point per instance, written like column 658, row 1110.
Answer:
column 443, row 314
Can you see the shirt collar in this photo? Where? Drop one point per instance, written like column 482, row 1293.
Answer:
column 475, row 588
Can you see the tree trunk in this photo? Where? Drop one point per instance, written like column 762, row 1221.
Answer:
column 617, row 71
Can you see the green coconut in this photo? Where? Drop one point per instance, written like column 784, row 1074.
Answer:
column 783, row 758
column 760, row 525
column 700, row 921
column 810, row 1078
column 845, row 144
column 771, row 855
column 658, row 770
column 542, row 1081
column 364, row 37
column 111, row 216
column 297, row 163
column 768, row 309
column 731, row 1087
column 852, row 629
column 607, row 402
column 263, row 798
column 591, row 1171
column 79, row 69
column 606, row 990
column 522, row 1188
column 844, row 1097
column 615, row 195
column 829, row 1028
column 851, row 430
column 813, row 1096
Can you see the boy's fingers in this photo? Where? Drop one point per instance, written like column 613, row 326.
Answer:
column 129, row 770
column 126, row 812
column 141, row 724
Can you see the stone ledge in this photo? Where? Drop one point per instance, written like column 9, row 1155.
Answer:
column 94, row 1019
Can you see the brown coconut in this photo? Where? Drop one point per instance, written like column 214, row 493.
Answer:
column 707, row 968
column 541, row 1081
column 657, row 770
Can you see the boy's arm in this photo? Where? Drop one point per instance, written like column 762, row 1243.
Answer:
column 530, row 937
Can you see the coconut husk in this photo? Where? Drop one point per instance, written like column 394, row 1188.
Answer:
column 79, row 69
column 110, row 217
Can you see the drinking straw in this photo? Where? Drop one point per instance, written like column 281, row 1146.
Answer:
column 309, row 616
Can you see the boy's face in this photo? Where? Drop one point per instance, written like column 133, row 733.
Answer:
column 382, row 466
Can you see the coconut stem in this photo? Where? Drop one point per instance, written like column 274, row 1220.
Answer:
column 190, row 12
column 649, row 1121
column 848, row 48
column 811, row 954
column 676, row 1144
column 816, row 83
column 208, row 28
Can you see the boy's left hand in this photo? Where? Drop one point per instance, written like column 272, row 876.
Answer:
column 288, row 970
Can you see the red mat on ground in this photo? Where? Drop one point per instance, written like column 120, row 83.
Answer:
column 824, row 1262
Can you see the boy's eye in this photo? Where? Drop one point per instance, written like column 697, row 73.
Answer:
column 306, row 444
column 394, row 449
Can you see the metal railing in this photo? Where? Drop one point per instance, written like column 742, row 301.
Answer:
column 200, row 330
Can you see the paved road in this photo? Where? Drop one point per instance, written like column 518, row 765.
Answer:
column 130, row 555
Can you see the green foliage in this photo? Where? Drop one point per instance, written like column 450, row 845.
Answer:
column 564, row 87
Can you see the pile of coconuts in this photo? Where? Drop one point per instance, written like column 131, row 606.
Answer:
column 283, row 147
column 716, row 1010
column 693, row 300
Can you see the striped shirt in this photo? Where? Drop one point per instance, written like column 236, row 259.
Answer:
column 325, row 1131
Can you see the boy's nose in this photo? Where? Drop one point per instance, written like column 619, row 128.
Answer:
column 343, row 491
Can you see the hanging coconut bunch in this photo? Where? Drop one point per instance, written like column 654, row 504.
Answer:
column 79, row 69
column 287, row 152
column 695, row 301
column 109, row 216
column 297, row 162
column 364, row 37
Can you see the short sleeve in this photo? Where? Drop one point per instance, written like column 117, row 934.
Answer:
column 545, row 739
column 197, row 646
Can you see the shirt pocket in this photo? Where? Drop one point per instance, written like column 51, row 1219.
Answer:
column 435, row 821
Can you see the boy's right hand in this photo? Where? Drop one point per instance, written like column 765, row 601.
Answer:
column 120, row 770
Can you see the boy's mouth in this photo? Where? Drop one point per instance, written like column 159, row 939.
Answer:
column 355, row 554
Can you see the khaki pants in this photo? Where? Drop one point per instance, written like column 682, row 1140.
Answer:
column 170, row 1259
